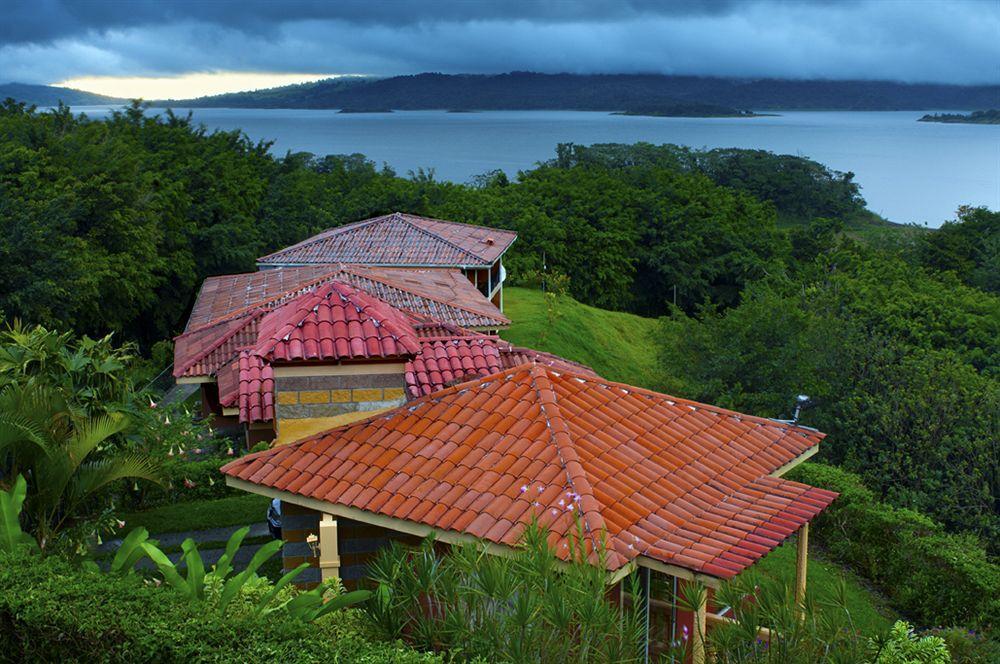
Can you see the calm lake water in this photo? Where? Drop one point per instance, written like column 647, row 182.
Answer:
column 909, row 171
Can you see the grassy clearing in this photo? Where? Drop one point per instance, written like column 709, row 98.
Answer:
column 244, row 509
column 618, row 346
column 869, row 611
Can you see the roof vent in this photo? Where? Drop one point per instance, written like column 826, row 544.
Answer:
column 488, row 240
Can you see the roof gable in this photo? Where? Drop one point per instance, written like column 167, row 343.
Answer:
column 333, row 323
column 398, row 239
column 680, row 482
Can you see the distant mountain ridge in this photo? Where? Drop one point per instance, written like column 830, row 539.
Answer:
column 51, row 95
column 604, row 92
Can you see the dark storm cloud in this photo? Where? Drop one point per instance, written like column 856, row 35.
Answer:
column 947, row 41
column 41, row 21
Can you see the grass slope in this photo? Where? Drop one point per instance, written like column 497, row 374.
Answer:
column 240, row 510
column 618, row 346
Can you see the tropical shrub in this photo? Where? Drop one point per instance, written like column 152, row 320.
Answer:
column 524, row 608
column 66, row 460
column 12, row 538
column 933, row 576
column 51, row 611
column 89, row 375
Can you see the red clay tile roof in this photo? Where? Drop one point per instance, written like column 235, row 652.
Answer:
column 448, row 360
column 444, row 293
column 512, row 356
column 399, row 239
column 248, row 383
column 335, row 322
column 203, row 351
column 673, row 480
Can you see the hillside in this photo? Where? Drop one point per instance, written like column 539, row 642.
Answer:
column 607, row 92
column 617, row 345
column 50, row 95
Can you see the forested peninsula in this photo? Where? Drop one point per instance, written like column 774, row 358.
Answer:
column 992, row 116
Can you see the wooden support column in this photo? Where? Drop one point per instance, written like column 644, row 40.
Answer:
column 699, row 636
column 329, row 553
column 801, row 568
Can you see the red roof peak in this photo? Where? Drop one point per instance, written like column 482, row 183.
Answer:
column 336, row 322
column 399, row 239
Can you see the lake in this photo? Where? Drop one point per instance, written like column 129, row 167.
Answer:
column 909, row 171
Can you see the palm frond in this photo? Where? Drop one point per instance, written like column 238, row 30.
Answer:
column 93, row 475
column 90, row 433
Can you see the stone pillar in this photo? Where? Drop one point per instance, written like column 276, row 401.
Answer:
column 329, row 552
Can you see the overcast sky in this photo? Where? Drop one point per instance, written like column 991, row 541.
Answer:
column 953, row 41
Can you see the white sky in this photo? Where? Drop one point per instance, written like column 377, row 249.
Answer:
column 185, row 86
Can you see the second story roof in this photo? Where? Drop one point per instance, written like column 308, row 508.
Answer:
column 401, row 240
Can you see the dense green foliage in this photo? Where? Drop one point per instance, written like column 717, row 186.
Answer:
column 53, row 612
column 799, row 189
column 523, row 608
column 112, row 225
column 937, row 578
column 604, row 92
column 969, row 247
column 902, row 365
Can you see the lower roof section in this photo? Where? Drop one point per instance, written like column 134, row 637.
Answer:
column 684, row 484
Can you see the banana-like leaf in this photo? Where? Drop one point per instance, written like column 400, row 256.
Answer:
column 341, row 602
column 302, row 607
column 11, row 535
column 233, row 585
column 130, row 551
column 287, row 578
column 195, row 568
column 225, row 564
column 167, row 568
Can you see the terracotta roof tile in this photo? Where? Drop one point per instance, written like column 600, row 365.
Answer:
column 355, row 325
column 684, row 483
column 248, row 383
column 443, row 297
column 399, row 239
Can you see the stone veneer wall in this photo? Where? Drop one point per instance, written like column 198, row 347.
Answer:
column 301, row 397
column 357, row 543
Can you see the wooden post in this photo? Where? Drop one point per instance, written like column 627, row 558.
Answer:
column 329, row 554
column 700, row 620
column 801, row 569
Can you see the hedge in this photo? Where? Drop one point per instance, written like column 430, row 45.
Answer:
column 53, row 612
column 932, row 576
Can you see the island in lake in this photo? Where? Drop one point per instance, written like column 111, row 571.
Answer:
column 992, row 116
column 365, row 110
column 693, row 110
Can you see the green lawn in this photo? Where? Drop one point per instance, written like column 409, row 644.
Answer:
column 616, row 345
column 239, row 510
column 868, row 610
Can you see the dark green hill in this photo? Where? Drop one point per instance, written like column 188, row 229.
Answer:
column 50, row 95
column 605, row 92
